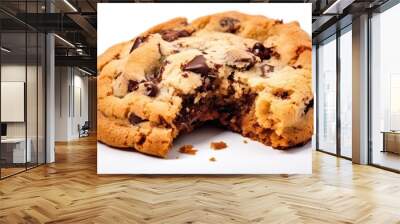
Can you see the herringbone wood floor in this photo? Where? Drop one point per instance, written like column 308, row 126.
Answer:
column 70, row 191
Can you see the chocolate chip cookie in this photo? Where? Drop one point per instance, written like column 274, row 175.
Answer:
column 248, row 73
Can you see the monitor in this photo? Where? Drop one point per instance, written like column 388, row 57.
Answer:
column 3, row 129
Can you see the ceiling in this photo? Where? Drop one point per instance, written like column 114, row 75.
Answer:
column 76, row 21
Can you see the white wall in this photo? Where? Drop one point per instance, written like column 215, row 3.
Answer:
column 62, row 81
column 33, row 127
column 80, row 85
column 71, row 94
column 16, row 72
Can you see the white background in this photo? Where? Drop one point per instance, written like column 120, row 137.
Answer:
column 121, row 22
column 117, row 22
column 238, row 158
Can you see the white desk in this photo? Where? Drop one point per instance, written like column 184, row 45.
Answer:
column 18, row 149
column 391, row 141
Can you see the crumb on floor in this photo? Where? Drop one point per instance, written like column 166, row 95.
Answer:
column 212, row 159
column 245, row 141
column 188, row 149
column 218, row 145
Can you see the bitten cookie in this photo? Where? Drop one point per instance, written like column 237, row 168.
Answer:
column 249, row 73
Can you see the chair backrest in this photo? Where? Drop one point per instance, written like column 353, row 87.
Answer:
column 86, row 125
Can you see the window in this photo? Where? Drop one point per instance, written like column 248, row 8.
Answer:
column 327, row 96
column 346, row 92
column 314, row 88
column 385, row 89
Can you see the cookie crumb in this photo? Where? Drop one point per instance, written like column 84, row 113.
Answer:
column 212, row 159
column 188, row 149
column 218, row 145
column 245, row 141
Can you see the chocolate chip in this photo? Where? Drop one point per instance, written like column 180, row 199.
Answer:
column 153, row 77
column 185, row 75
column 118, row 74
column 265, row 69
column 156, row 74
column 171, row 35
column 231, row 76
column 133, row 119
column 309, row 105
column 159, row 50
column 197, row 65
column 151, row 89
column 262, row 52
column 301, row 49
column 230, row 24
column 283, row 94
column 297, row 66
column 184, row 117
column 137, row 43
column 142, row 139
column 231, row 90
column 207, row 85
column 247, row 63
column 132, row 85
column 162, row 68
column 217, row 66
column 275, row 54
column 163, row 122
column 212, row 74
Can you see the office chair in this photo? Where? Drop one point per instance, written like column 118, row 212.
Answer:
column 84, row 130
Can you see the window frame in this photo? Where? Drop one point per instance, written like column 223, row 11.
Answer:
column 334, row 37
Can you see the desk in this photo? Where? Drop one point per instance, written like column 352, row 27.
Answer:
column 13, row 150
column 391, row 141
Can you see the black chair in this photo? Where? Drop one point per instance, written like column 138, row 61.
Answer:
column 84, row 130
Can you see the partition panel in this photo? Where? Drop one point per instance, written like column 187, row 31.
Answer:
column 15, row 150
column 22, row 77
